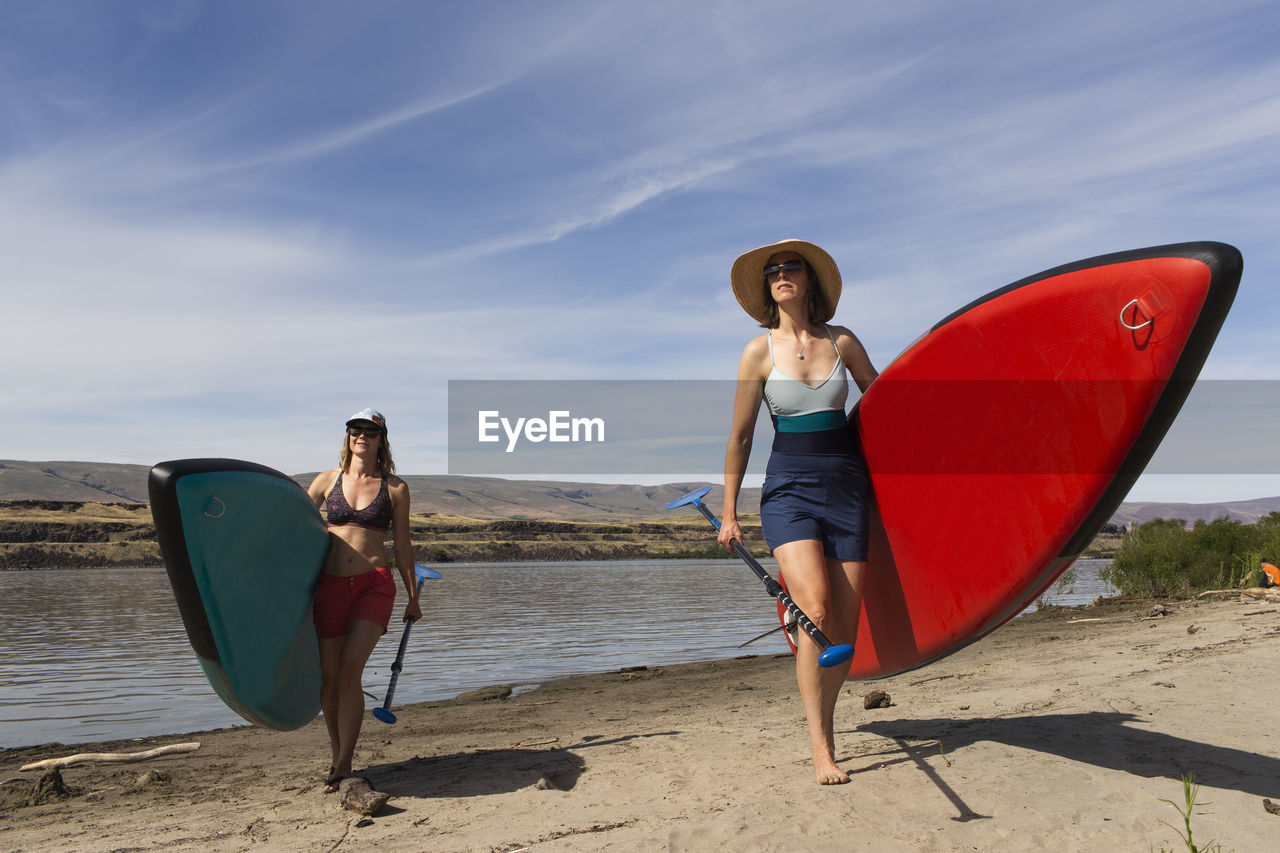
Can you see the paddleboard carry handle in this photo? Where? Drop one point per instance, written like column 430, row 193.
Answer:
column 832, row 655
column 1137, row 312
column 383, row 712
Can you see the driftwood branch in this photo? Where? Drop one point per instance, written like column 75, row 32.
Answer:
column 1264, row 593
column 88, row 757
column 358, row 796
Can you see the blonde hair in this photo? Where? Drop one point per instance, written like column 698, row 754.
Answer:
column 386, row 465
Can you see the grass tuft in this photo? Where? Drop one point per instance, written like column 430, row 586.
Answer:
column 1190, row 794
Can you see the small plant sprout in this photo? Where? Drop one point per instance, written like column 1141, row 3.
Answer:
column 1190, row 792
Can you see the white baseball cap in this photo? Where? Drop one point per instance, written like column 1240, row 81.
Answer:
column 371, row 415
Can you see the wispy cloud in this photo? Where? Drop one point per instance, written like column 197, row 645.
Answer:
column 217, row 227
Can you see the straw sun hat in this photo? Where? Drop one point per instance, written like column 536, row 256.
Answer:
column 747, row 277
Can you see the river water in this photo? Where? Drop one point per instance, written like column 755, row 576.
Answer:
column 101, row 654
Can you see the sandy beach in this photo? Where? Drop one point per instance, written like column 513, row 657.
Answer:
column 1064, row 730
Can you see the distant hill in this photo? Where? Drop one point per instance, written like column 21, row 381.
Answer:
column 1246, row 511
column 471, row 497
column 547, row 500
column 73, row 481
column 496, row 498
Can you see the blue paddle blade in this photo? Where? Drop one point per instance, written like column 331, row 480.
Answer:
column 692, row 497
column 383, row 715
column 833, row 656
column 424, row 572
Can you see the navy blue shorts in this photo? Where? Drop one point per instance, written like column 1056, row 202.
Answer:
column 816, row 496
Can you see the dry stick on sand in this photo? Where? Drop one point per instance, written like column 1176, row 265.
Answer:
column 358, row 796
column 120, row 757
column 1263, row 592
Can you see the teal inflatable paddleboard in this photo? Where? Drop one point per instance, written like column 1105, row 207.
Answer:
column 244, row 546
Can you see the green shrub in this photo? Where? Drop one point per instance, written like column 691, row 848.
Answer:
column 1162, row 558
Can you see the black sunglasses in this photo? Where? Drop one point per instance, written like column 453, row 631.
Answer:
column 789, row 266
column 367, row 432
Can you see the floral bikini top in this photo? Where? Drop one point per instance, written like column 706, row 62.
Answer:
column 377, row 515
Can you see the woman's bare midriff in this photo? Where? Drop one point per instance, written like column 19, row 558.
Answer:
column 355, row 550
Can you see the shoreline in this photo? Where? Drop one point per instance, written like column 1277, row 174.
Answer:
column 490, row 691
column 48, row 535
column 628, row 621
column 1063, row 729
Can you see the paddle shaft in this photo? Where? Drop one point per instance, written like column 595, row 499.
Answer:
column 399, row 661
column 772, row 586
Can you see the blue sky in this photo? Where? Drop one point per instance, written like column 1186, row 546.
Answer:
column 227, row 225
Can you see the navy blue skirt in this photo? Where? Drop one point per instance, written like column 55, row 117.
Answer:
column 816, row 496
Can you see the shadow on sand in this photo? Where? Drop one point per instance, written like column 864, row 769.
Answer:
column 1117, row 741
column 489, row 771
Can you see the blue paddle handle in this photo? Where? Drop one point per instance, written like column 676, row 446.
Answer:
column 398, row 664
column 772, row 586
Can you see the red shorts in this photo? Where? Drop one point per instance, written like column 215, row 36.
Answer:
column 338, row 600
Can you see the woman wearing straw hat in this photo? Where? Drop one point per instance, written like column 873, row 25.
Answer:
column 357, row 591
column 814, row 498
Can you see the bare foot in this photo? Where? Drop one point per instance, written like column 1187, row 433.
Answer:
column 827, row 773
column 334, row 781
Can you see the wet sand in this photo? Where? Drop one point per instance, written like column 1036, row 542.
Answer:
column 1064, row 730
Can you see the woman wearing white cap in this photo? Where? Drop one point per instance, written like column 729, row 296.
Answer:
column 813, row 503
column 357, row 591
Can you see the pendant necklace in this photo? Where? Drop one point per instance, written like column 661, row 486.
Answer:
column 800, row 353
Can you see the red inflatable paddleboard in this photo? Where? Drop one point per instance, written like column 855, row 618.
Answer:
column 1001, row 441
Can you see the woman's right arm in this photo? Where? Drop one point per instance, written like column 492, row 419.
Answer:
column 746, row 406
column 319, row 488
